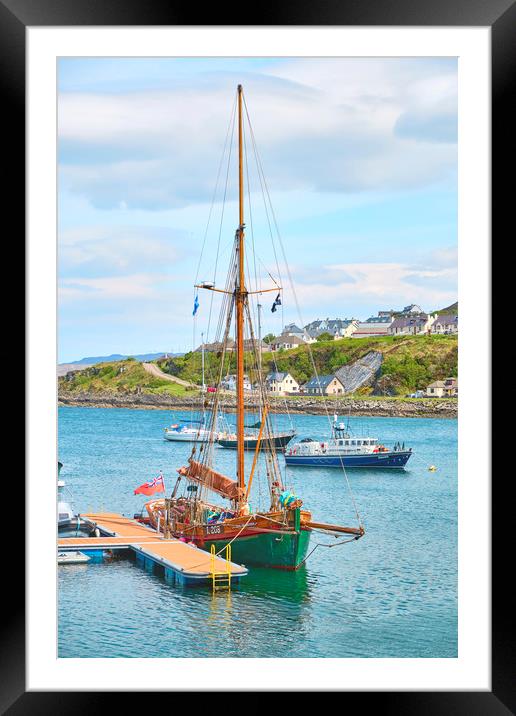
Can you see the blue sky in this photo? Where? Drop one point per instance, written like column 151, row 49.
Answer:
column 360, row 158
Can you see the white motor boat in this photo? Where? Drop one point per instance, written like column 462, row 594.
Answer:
column 72, row 558
column 181, row 432
column 66, row 517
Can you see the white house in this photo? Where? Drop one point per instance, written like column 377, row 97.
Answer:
column 229, row 382
column 281, row 384
column 413, row 308
column 324, row 385
column 411, row 325
column 337, row 327
column 374, row 326
column 292, row 330
column 286, row 343
column 448, row 388
column 445, row 323
column 436, row 389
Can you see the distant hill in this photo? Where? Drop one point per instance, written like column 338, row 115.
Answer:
column 386, row 365
column 125, row 376
column 453, row 310
column 93, row 360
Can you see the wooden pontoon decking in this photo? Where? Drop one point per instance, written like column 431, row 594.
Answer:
column 119, row 532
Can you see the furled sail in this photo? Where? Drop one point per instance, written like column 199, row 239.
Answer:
column 209, row 478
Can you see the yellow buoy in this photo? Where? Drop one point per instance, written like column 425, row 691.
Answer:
column 432, row 468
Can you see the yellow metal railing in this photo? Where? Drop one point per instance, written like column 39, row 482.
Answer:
column 220, row 578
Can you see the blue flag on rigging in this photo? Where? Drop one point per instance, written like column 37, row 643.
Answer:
column 196, row 304
column 277, row 302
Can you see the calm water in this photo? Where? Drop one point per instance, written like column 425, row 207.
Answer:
column 391, row 594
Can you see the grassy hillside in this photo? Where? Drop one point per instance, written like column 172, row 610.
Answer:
column 410, row 362
column 453, row 309
column 125, row 376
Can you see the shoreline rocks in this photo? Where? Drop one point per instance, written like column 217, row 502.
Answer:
column 379, row 407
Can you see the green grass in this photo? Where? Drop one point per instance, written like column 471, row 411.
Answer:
column 410, row 363
column 126, row 376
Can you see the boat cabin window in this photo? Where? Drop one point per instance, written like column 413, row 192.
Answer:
column 353, row 442
column 341, row 442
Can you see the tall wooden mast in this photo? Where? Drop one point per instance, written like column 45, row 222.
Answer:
column 240, row 296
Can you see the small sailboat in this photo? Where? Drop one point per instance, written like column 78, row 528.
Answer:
column 278, row 535
column 189, row 431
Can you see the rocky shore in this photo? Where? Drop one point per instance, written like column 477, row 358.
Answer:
column 378, row 407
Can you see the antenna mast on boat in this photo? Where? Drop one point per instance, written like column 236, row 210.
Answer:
column 240, row 298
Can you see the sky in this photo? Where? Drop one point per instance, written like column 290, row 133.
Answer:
column 359, row 157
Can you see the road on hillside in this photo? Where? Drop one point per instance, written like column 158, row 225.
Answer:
column 153, row 369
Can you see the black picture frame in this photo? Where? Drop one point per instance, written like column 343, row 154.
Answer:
column 500, row 16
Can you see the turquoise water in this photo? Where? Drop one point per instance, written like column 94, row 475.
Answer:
column 391, row 594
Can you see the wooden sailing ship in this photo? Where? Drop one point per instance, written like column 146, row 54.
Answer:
column 278, row 536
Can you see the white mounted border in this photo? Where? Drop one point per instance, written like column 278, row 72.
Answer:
column 471, row 670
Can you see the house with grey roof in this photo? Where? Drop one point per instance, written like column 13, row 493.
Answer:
column 281, row 383
column 249, row 345
column 374, row 326
column 445, row 324
column 285, row 343
column 229, row 382
column 411, row 325
column 324, row 385
column 412, row 308
column 292, row 329
column 337, row 327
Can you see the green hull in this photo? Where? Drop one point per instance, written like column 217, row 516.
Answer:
column 270, row 549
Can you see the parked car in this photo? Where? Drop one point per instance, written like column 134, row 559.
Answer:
column 416, row 394
column 211, row 389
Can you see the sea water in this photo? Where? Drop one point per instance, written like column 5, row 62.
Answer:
column 392, row 593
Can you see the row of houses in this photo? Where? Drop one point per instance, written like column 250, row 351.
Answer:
column 411, row 321
column 282, row 383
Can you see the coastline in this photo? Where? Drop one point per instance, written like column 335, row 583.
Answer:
column 374, row 407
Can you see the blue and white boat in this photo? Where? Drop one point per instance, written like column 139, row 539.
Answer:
column 345, row 450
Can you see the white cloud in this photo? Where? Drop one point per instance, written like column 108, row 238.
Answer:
column 96, row 251
column 133, row 286
column 384, row 285
column 330, row 125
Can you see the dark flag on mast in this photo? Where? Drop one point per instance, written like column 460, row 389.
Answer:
column 277, row 302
